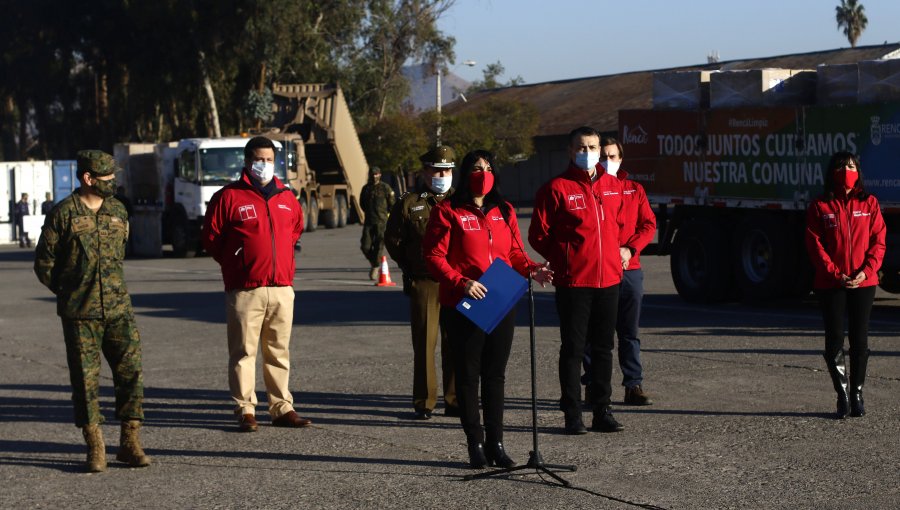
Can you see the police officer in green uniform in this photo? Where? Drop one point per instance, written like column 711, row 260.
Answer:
column 403, row 240
column 376, row 200
column 79, row 258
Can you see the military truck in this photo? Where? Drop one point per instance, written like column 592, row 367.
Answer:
column 318, row 155
column 731, row 187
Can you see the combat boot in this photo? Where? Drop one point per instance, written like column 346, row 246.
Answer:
column 130, row 451
column 96, row 457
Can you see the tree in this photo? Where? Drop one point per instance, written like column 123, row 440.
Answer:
column 505, row 128
column 491, row 73
column 851, row 17
column 395, row 143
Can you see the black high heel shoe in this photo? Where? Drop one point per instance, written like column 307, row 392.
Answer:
column 477, row 460
column 496, row 455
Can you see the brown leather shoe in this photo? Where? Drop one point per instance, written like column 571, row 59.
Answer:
column 248, row 423
column 635, row 396
column 291, row 419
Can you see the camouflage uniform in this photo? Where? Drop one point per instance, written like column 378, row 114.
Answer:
column 376, row 200
column 403, row 240
column 79, row 258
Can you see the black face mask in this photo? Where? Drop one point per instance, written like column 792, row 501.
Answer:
column 105, row 189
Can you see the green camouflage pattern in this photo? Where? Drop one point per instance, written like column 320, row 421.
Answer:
column 120, row 343
column 376, row 200
column 406, row 228
column 79, row 258
column 96, row 162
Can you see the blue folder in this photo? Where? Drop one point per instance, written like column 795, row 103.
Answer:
column 504, row 289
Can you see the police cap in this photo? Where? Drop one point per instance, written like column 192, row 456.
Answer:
column 96, row 162
column 439, row 157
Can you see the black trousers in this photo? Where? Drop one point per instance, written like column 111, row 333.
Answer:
column 479, row 355
column 856, row 304
column 587, row 316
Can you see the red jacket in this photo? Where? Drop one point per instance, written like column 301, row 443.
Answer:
column 461, row 242
column 639, row 221
column 575, row 226
column 252, row 238
column 844, row 236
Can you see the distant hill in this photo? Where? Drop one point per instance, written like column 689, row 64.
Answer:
column 422, row 88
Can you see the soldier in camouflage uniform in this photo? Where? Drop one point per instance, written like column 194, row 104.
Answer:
column 403, row 240
column 79, row 258
column 376, row 200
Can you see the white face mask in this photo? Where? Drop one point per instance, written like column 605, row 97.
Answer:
column 441, row 185
column 611, row 167
column 587, row 160
column 262, row 171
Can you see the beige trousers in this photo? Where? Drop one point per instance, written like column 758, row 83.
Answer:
column 260, row 316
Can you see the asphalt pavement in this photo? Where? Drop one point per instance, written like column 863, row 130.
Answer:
column 741, row 415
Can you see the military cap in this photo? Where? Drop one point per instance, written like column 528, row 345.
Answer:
column 96, row 162
column 441, row 156
column 374, row 170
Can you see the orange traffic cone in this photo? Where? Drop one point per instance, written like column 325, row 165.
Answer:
column 384, row 274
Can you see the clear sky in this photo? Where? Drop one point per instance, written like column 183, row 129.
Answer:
column 546, row 40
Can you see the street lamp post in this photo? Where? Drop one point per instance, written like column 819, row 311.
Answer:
column 470, row 63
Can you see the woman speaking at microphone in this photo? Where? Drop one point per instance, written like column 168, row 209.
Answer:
column 465, row 234
column 845, row 237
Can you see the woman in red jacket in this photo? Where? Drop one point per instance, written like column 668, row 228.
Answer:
column 845, row 237
column 465, row 234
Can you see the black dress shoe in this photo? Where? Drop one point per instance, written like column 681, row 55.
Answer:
column 496, row 455
column 605, row 422
column 575, row 426
column 477, row 459
column 423, row 414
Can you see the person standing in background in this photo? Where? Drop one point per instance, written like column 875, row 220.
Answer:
column 845, row 238
column 376, row 200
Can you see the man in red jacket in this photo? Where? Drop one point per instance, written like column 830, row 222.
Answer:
column 250, row 229
column 637, row 232
column 575, row 226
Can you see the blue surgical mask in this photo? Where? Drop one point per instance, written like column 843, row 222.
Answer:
column 441, row 185
column 262, row 171
column 587, row 160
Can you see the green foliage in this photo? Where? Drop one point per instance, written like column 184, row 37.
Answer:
column 505, row 128
column 851, row 18
column 395, row 143
column 258, row 105
column 92, row 74
column 492, row 73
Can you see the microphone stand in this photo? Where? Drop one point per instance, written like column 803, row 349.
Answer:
column 535, row 460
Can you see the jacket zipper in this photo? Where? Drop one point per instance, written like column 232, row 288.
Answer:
column 598, row 205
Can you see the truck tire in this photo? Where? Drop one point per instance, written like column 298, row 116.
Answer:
column 342, row 211
column 765, row 256
column 330, row 217
column 699, row 262
column 312, row 218
column 304, row 208
column 184, row 245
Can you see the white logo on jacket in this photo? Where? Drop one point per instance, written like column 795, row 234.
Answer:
column 282, row 206
column 858, row 214
column 247, row 212
column 829, row 221
column 469, row 222
column 576, row 202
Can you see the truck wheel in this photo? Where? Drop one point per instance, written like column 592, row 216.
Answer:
column 312, row 218
column 330, row 217
column 341, row 206
column 765, row 257
column 699, row 262
column 184, row 245
column 304, row 209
